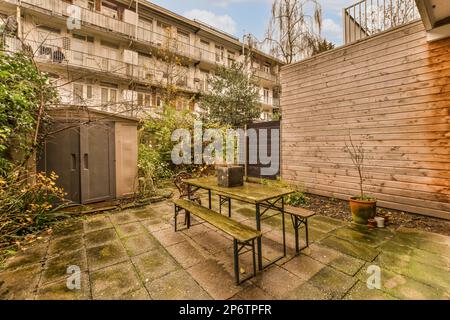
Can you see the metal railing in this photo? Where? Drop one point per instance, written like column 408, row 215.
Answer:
column 54, row 54
column 369, row 17
column 145, row 35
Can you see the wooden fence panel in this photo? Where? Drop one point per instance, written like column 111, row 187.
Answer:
column 391, row 92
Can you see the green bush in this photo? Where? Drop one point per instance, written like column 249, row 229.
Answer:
column 27, row 204
column 296, row 199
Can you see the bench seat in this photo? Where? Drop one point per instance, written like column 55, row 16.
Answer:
column 243, row 236
column 299, row 216
column 233, row 228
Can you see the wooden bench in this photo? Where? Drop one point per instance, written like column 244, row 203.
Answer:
column 299, row 216
column 243, row 236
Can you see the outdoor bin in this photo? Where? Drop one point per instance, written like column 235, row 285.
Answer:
column 230, row 176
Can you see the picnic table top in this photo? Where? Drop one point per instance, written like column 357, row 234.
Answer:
column 249, row 192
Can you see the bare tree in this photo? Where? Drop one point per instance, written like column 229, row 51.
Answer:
column 374, row 17
column 292, row 29
column 357, row 155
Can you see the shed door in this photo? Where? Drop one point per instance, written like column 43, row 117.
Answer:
column 61, row 155
column 97, row 162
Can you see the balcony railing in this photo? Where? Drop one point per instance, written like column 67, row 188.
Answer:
column 51, row 54
column 145, row 35
column 265, row 75
column 369, row 17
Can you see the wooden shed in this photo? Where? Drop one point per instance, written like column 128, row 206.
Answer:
column 94, row 153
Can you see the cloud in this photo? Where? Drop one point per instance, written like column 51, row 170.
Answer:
column 222, row 22
column 226, row 3
column 332, row 30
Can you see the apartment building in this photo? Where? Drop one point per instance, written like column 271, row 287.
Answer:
column 118, row 56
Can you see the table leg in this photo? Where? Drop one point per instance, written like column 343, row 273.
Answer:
column 209, row 198
column 258, row 241
column 284, row 226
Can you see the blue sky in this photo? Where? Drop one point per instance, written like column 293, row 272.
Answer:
column 243, row 16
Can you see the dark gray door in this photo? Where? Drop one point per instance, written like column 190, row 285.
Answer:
column 254, row 169
column 97, row 162
column 61, row 154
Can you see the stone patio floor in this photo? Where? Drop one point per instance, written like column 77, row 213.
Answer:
column 135, row 254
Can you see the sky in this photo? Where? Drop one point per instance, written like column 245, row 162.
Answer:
column 239, row 17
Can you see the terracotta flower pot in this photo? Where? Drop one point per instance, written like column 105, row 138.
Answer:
column 362, row 210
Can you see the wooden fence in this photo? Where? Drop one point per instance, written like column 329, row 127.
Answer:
column 392, row 93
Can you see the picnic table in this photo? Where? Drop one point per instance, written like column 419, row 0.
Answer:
column 264, row 197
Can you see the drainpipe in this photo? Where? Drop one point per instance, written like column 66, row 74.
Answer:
column 19, row 19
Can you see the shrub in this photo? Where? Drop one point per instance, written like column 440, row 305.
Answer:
column 25, row 206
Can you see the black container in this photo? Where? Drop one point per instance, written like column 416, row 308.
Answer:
column 230, row 176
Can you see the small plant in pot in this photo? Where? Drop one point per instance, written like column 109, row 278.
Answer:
column 362, row 206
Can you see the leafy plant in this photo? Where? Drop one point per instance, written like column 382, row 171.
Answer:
column 296, row 199
column 27, row 207
column 233, row 98
column 25, row 92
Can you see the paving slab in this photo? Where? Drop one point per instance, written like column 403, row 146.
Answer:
column 115, row 281
column 351, row 248
column 332, row 281
column 99, row 237
column 361, row 292
column 252, row 292
column 214, row 279
column 140, row 243
column 186, row 254
column 276, row 281
column 19, row 284
column 303, row 266
column 129, row 229
column 307, row 291
column 212, row 241
column 60, row 291
column 106, row 255
column 56, row 267
column 97, row 223
column 425, row 273
column 32, row 255
column 404, row 287
column 154, row 264
column 177, row 285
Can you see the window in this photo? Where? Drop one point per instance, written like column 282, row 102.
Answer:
column 144, row 99
column 219, row 53
column 158, row 101
column 266, row 96
column 77, row 93
column 89, row 94
column 231, row 58
column 108, row 95
column 266, row 67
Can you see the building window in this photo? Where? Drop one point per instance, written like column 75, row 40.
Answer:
column 266, row 96
column 108, row 95
column 266, row 67
column 144, row 99
column 158, row 101
column 77, row 93
column 89, row 94
column 219, row 53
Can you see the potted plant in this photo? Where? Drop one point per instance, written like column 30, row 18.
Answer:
column 362, row 206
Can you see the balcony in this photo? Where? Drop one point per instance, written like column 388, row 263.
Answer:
column 369, row 17
column 268, row 76
column 51, row 54
column 147, row 36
